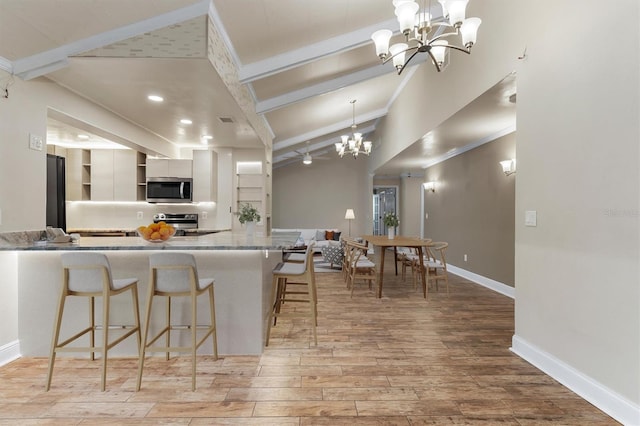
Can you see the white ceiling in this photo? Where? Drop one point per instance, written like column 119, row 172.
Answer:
column 302, row 61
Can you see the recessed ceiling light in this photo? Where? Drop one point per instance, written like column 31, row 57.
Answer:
column 85, row 137
column 155, row 98
column 186, row 121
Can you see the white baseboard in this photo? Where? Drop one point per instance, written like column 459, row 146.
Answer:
column 483, row 281
column 9, row 352
column 616, row 406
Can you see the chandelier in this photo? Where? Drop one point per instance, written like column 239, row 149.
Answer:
column 422, row 35
column 353, row 144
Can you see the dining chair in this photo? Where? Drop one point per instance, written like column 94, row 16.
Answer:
column 435, row 261
column 360, row 266
column 294, row 283
column 89, row 275
column 176, row 275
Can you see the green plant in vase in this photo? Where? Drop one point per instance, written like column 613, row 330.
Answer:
column 248, row 213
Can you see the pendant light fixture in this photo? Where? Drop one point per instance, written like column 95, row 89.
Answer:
column 424, row 35
column 353, row 144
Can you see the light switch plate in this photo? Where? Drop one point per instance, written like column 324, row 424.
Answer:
column 531, row 218
column 35, row 142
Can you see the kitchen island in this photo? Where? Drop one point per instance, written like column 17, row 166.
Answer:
column 241, row 267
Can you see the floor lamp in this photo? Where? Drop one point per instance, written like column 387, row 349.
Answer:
column 349, row 215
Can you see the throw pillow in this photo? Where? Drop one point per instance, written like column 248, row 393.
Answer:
column 328, row 235
column 320, row 236
column 336, row 235
column 299, row 242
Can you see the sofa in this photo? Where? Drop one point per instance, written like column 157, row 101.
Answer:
column 320, row 237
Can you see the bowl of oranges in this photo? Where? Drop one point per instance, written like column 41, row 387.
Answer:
column 156, row 232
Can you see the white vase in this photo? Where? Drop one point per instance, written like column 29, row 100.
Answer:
column 251, row 228
column 392, row 233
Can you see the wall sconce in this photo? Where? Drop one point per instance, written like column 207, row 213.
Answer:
column 508, row 166
column 430, row 186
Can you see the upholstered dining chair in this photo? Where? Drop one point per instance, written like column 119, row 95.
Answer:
column 176, row 275
column 88, row 274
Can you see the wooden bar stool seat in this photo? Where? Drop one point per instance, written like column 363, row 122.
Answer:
column 294, row 283
column 89, row 275
column 176, row 275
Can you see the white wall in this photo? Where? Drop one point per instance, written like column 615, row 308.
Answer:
column 22, row 170
column 577, row 272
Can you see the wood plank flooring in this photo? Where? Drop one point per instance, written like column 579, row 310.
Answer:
column 399, row 360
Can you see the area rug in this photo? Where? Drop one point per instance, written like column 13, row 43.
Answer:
column 319, row 265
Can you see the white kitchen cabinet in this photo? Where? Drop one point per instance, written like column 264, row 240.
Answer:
column 125, row 175
column 114, row 175
column 102, row 175
column 205, row 176
column 161, row 167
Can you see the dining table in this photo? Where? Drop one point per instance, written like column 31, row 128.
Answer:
column 383, row 242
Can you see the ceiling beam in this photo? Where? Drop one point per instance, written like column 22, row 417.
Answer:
column 271, row 104
column 336, row 127
column 294, row 58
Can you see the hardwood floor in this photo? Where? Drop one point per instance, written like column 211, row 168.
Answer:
column 399, row 360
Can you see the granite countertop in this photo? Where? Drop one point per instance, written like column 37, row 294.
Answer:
column 216, row 241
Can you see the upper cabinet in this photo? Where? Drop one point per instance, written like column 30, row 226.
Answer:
column 105, row 175
column 160, row 167
column 205, row 176
column 114, row 175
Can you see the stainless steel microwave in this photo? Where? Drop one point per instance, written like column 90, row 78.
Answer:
column 169, row 190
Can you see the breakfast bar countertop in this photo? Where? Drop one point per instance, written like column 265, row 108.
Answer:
column 217, row 241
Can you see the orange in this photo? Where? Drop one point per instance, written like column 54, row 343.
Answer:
column 155, row 236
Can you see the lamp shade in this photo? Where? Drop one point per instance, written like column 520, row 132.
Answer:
column 406, row 13
column 398, row 53
column 349, row 214
column 456, row 10
column 469, row 31
column 439, row 49
column 381, row 39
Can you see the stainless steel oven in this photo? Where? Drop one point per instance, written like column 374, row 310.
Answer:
column 180, row 221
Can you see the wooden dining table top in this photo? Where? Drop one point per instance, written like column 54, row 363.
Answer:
column 398, row 241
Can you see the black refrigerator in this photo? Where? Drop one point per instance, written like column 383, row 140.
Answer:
column 56, row 213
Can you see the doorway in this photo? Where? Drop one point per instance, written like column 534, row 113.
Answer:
column 385, row 200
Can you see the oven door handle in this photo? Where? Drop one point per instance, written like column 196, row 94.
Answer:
column 181, row 189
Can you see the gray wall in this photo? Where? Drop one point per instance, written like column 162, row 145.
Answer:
column 473, row 208
column 318, row 195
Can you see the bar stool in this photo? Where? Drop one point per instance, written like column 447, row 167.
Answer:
column 89, row 275
column 176, row 275
column 302, row 276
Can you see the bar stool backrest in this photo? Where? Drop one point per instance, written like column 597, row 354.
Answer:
column 175, row 272
column 87, row 272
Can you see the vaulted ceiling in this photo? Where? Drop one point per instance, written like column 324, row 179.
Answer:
column 299, row 64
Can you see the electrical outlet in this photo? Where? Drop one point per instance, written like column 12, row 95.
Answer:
column 140, row 215
column 204, row 215
column 465, row 257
